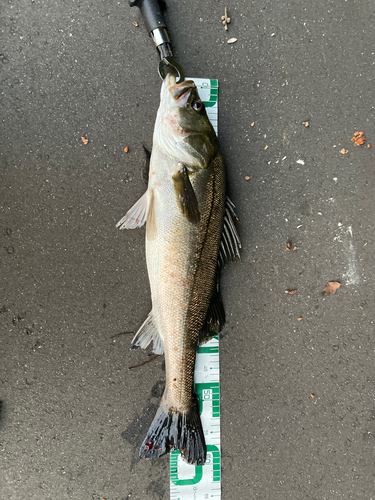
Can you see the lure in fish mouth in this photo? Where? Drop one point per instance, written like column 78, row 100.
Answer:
column 190, row 235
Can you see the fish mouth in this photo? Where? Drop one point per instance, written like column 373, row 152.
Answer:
column 181, row 91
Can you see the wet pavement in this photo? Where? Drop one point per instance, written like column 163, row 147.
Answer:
column 297, row 370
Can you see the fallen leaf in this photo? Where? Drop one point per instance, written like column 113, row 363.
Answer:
column 344, row 151
column 331, row 287
column 134, row 23
column 126, row 149
column 232, row 40
column 358, row 138
column 307, row 124
column 290, row 292
column 247, row 177
column 369, row 145
column 84, row 140
column 312, row 395
column 252, row 124
column 299, row 319
column 288, row 245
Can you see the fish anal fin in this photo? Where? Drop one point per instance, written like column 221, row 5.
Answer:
column 174, row 430
column 185, row 195
column 137, row 215
column 151, row 230
column 146, row 333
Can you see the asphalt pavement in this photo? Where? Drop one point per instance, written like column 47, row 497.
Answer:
column 297, row 369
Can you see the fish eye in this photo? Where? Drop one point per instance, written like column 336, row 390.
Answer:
column 197, row 105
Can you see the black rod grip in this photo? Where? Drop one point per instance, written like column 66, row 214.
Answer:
column 151, row 13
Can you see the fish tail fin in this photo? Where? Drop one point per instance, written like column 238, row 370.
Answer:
column 175, row 430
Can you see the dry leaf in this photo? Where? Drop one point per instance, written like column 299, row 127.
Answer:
column 232, row 40
column 290, row 292
column 344, row 151
column 369, row 145
column 84, row 140
column 331, row 287
column 134, row 23
column 300, row 318
column 307, row 124
column 247, row 177
column 288, row 245
column 252, row 124
column 126, row 149
column 358, row 138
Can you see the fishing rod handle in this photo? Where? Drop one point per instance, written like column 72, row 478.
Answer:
column 151, row 13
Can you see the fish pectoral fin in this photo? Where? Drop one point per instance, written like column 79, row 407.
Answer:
column 137, row 215
column 230, row 241
column 185, row 195
column 215, row 319
column 147, row 333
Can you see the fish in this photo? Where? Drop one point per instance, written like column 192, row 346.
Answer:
column 190, row 235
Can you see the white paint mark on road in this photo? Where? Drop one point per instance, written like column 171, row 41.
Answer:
column 352, row 275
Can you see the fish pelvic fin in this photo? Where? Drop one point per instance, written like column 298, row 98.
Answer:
column 174, row 430
column 185, row 195
column 230, row 241
column 146, row 333
column 137, row 215
column 151, row 229
column 146, row 164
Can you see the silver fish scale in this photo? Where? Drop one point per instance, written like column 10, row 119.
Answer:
column 181, row 262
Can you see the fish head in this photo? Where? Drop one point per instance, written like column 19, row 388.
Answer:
column 183, row 129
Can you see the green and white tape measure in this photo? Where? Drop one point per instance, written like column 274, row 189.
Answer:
column 194, row 482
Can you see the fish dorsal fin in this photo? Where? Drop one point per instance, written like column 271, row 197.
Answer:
column 147, row 333
column 215, row 318
column 230, row 241
column 151, row 230
column 137, row 215
column 185, row 195
column 229, row 250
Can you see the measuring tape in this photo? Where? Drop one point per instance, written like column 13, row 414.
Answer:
column 195, row 482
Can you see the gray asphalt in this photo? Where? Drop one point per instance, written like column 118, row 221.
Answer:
column 297, row 371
